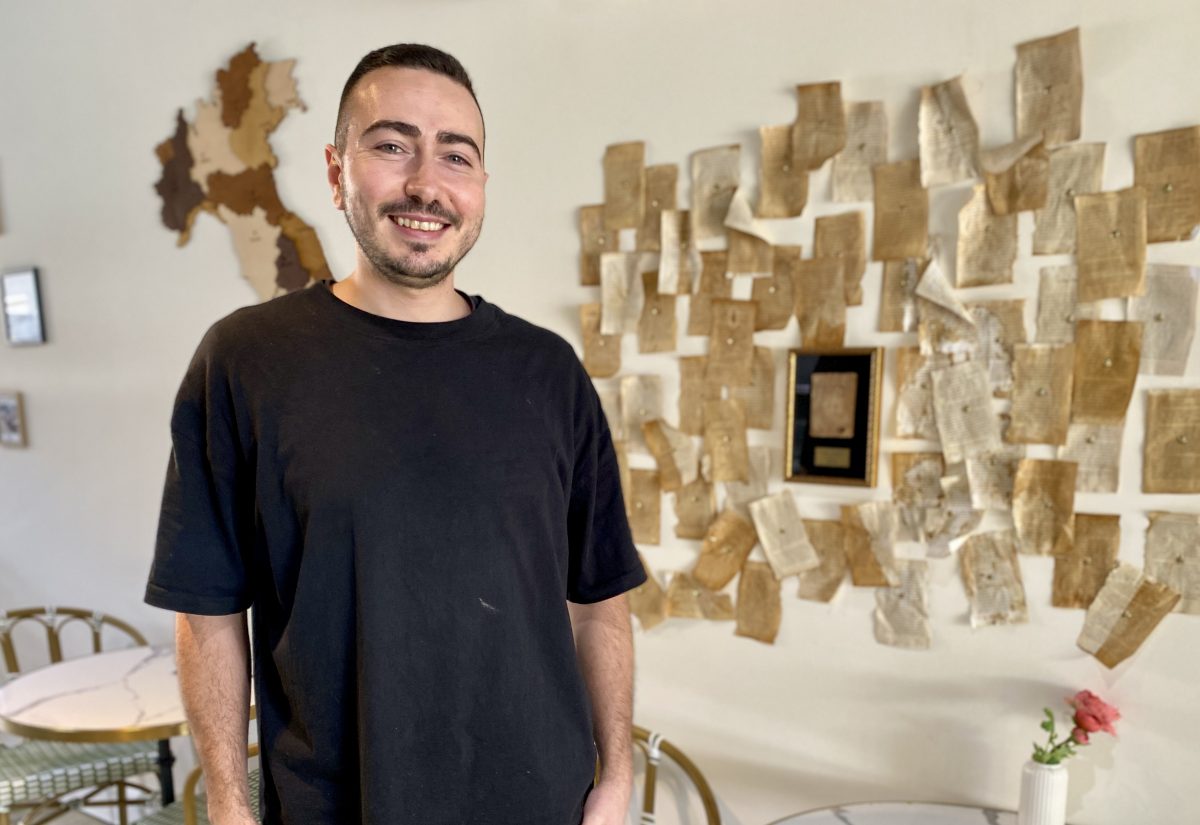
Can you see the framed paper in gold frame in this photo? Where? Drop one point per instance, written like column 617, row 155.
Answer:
column 12, row 419
column 833, row 416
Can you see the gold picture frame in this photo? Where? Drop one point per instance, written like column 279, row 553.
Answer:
column 832, row 428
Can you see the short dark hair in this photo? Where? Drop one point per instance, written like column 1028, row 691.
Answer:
column 401, row 56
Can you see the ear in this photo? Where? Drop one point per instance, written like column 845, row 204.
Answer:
column 333, row 176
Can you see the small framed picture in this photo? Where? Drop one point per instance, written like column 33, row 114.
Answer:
column 833, row 416
column 12, row 419
column 23, row 307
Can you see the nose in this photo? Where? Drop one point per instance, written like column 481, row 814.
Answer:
column 421, row 184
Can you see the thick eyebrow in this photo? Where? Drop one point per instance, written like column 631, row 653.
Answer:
column 409, row 130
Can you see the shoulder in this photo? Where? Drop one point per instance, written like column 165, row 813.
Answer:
column 251, row 327
column 542, row 344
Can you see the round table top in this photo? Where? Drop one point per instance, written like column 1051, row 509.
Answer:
column 901, row 813
column 115, row 696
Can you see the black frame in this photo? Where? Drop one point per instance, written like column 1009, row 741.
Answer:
column 35, row 298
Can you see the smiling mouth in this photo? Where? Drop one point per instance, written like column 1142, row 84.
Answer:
column 420, row 226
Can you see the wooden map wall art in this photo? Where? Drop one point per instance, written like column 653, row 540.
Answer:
column 1005, row 422
column 221, row 162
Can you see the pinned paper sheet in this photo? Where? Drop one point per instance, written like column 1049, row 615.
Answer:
column 990, row 476
column 688, row 599
column 662, row 184
column 1044, row 506
column 821, row 583
column 676, row 454
column 622, row 293
column 945, row 325
column 917, row 488
column 948, row 135
column 844, row 236
column 901, row 212
column 914, row 395
column 783, row 185
column 1076, row 169
column 601, row 353
column 1079, row 575
column 775, row 297
column 963, row 410
column 644, row 505
column 1096, row 451
column 1173, row 556
column 866, row 147
column 1057, row 309
column 714, row 180
column 832, row 403
column 758, row 399
column 594, row 241
column 1171, row 461
column 898, row 294
column 1167, row 167
column 727, row 543
column 992, row 578
column 648, row 601
column 678, row 261
column 1000, row 326
column 866, row 568
column 1123, row 615
column 759, row 603
column 641, row 401
column 901, row 612
column 1168, row 314
column 656, row 330
column 624, row 185
column 694, row 391
column 1049, row 78
column 731, row 342
column 1106, row 365
column 819, row 132
column 725, row 440
column 1111, row 232
column 1041, row 408
column 739, row 494
column 748, row 255
column 713, row 284
column 879, row 521
column 1017, row 176
column 987, row 244
column 821, row 303
column 695, row 507
column 781, row 533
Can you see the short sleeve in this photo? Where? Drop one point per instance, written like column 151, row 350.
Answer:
column 603, row 559
column 201, row 556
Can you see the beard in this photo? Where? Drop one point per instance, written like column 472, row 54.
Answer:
column 415, row 270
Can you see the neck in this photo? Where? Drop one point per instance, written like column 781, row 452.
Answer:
column 374, row 294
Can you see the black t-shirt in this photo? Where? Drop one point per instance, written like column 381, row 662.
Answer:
column 407, row 507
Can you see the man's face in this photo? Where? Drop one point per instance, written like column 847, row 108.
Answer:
column 411, row 177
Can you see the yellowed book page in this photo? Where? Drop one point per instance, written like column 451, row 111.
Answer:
column 999, row 326
column 992, row 578
column 594, row 241
column 865, row 570
column 1168, row 315
column 748, row 255
column 821, row 583
column 916, row 488
column 688, row 599
column 1167, row 167
column 676, row 455
column 879, row 520
column 991, row 475
column 955, row 518
column 1123, row 615
column 1079, row 575
column 821, row 303
column 866, row 147
column 1041, row 407
column 695, row 508
column 714, row 180
column 1096, row 451
column 725, row 440
column 987, row 244
column 758, row 399
column 727, row 543
column 947, row 134
column 601, row 353
column 1075, row 169
column 1044, row 506
column 819, row 131
column 1049, row 80
column 648, row 601
column 783, row 185
column 644, row 506
column 1111, row 232
column 833, row 403
column 901, row 612
column 775, row 296
column 624, row 185
column 944, row 324
column 1057, row 311
column 901, row 212
column 713, row 284
column 781, row 533
column 963, row 411
column 914, row 395
column 731, row 342
column 1171, row 460
column 641, row 401
column 739, row 494
column 622, row 294
column 662, row 185
column 656, row 331
column 759, row 603
column 694, row 391
column 1017, row 176
column 1173, row 556
column 1107, row 354
column 844, row 236
column 898, row 294
column 678, row 261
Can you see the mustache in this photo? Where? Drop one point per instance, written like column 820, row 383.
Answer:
column 410, row 206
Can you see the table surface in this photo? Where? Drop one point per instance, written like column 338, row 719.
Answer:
column 901, row 813
column 116, row 696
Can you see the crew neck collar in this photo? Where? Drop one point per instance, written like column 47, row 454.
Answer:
column 480, row 320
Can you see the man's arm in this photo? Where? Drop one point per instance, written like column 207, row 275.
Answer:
column 604, row 646
column 213, row 657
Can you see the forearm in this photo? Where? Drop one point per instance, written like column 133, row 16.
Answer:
column 604, row 646
column 214, row 680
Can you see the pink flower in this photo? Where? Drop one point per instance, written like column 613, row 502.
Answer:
column 1080, row 736
column 1092, row 714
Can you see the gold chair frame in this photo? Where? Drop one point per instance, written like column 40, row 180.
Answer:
column 654, row 747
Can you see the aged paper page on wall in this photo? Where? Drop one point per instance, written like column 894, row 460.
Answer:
column 781, row 533
column 1123, row 615
column 1111, row 233
column 1049, row 79
column 992, row 578
column 1041, row 408
column 1167, row 167
column 1168, row 314
column 901, row 212
column 1173, row 556
column 1075, row 169
column 1044, row 506
column 728, row 542
column 1171, row 460
column 1079, row 575
column 866, row 147
column 901, row 612
column 759, row 603
column 624, row 185
column 1096, row 451
column 949, row 136
column 1107, row 354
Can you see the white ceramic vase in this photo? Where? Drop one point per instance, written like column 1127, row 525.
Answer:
column 1043, row 794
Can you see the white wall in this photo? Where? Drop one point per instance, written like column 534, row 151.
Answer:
column 89, row 88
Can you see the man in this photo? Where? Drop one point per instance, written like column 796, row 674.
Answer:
column 408, row 485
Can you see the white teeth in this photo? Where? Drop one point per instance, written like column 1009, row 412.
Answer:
column 427, row 226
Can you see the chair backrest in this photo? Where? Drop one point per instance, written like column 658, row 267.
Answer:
column 191, row 798
column 53, row 620
column 655, row 747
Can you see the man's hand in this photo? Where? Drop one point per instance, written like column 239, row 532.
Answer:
column 607, row 804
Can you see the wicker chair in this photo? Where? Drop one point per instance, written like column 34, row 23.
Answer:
column 655, row 748
column 192, row 810
column 35, row 776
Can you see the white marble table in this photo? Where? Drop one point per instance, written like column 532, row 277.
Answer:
column 118, row 696
column 901, row 813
